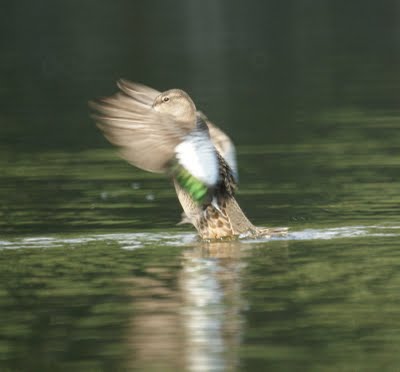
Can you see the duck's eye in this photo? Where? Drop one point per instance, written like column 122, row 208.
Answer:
column 165, row 99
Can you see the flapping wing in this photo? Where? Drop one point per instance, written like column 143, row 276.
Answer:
column 158, row 142
column 223, row 144
column 145, row 137
column 197, row 163
column 138, row 91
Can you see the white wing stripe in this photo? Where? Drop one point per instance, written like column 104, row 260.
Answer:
column 197, row 154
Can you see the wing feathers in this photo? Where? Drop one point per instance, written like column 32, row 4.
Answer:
column 147, row 138
column 153, row 141
column 138, row 91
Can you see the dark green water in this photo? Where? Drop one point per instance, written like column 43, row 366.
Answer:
column 94, row 272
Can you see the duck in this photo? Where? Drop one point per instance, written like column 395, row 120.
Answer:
column 163, row 132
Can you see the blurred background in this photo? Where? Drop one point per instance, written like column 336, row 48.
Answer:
column 94, row 272
column 293, row 73
column 264, row 71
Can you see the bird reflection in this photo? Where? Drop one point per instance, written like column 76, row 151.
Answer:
column 196, row 324
column 210, row 284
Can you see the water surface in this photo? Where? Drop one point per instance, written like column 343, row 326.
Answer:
column 94, row 272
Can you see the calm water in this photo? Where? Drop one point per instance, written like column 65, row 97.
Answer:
column 94, row 272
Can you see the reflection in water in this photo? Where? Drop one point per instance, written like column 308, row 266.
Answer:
column 155, row 330
column 197, row 324
column 317, row 90
column 210, row 283
column 168, row 302
column 203, row 313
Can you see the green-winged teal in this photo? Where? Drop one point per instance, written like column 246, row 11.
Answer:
column 163, row 132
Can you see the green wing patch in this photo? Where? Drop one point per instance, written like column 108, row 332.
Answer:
column 195, row 188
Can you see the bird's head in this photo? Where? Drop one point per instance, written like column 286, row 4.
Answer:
column 177, row 103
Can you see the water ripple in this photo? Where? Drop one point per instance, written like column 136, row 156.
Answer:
column 132, row 241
